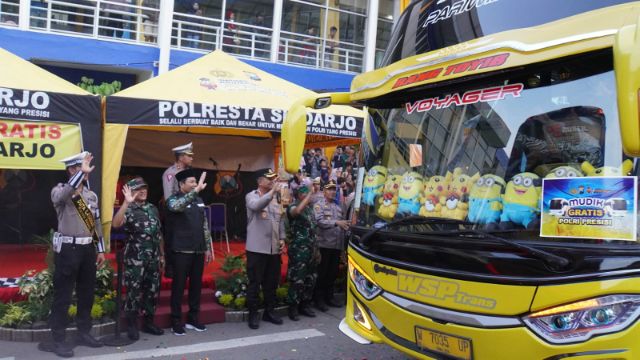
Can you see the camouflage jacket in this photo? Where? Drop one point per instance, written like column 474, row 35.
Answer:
column 143, row 228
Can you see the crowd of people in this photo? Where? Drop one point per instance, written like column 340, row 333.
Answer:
column 310, row 229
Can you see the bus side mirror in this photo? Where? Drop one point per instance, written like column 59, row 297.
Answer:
column 626, row 57
column 321, row 103
column 294, row 126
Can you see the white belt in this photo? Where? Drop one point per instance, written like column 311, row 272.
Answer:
column 78, row 240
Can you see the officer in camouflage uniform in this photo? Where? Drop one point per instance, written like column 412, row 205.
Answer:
column 143, row 256
column 303, row 254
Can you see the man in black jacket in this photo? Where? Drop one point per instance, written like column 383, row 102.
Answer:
column 191, row 247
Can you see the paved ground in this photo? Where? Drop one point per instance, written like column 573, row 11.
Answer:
column 317, row 338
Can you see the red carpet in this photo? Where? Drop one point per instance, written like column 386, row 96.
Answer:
column 15, row 260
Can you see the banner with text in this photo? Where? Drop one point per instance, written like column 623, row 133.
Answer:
column 131, row 111
column 37, row 145
column 590, row 208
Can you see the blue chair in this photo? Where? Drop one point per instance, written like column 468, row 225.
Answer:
column 217, row 216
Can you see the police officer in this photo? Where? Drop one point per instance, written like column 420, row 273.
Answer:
column 303, row 254
column 143, row 256
column 331, row 227
column 191, row 247
column 316, row 194
column 75, row 243
column 265, row 242
column 184, row 159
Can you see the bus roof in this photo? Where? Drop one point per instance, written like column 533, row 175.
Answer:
column 420, row 57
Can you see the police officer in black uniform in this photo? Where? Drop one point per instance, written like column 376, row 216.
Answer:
column 75, row 245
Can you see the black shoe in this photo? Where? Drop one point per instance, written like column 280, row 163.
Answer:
column 61, row 349
column 306, row 310
column 86, row 339
column 254, row 319
column 293, row 312
column 320, row 305
column 194, row 325
column 132, row 326
column 150, row 328
column 270, row 316
column 333, row 303
column 178, row 330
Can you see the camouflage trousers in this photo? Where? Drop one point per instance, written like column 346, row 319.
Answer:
column 142, row 280
column 302, row 271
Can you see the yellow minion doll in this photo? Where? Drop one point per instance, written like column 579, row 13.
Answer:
column 564, row 172
column 521, row 201
column 389, row 199
column 373, row 183
column 485, row 199
column 409, row 195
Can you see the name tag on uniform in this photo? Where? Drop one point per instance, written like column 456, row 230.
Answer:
column 201, row 205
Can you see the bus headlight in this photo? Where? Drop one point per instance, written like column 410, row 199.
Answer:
column 580, row 321
column 365, row 286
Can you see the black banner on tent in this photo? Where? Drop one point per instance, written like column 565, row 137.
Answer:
column 35, row 105
column 133, row 111
column 18, row 104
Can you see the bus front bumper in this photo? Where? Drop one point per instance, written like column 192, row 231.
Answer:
column 382, row 320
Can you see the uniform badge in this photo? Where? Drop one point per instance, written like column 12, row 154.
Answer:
column 169, row 177
column 264, row 214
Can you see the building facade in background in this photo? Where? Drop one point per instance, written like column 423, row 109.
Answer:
column 318, row 44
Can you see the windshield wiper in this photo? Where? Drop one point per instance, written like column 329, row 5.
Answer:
column 554, row 261
column 410, row 220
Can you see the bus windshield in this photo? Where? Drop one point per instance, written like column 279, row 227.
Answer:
column 429, row 25
column 451, row 152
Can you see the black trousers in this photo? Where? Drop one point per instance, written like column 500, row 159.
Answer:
column 186, row 265
column 263, row 270
column 75, row 267
column 327, row 273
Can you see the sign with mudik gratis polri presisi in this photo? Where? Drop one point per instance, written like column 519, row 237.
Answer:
column 590, row 208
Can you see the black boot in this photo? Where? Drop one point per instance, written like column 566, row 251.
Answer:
column 132, row 326
column 293, row 312
column 60, row 348
column 149, row 327
column 271, row 316
column 306, row 310
column 254, row 319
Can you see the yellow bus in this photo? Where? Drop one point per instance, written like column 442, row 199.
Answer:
column 478, row 104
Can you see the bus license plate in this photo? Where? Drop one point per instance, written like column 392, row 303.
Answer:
column 455, row 346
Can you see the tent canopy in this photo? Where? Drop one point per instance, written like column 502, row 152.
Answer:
column 44, row 118
column 214, row 94
column 218, row 91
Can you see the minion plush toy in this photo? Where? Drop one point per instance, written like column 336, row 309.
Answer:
column 624, row 170
column 389, row 199
column 433, row 190
column 409, row 195
column 521, row 201
column 485, row 199
column 373, row 183
column 456, row 205
column 564, row 172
